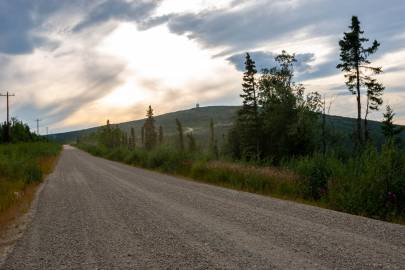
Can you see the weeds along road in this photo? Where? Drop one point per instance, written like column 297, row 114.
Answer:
column 97, row 214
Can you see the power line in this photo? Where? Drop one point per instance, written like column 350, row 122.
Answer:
column 7, row 95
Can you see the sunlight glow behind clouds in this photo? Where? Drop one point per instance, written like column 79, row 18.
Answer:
column 101, row 59
column 163, row 69
column 171, row 61
column 160, row 55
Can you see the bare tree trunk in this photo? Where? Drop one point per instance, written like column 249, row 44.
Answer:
column 365, row 121
column 323, row 128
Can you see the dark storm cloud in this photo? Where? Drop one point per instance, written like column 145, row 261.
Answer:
column 267, row 60
column 245, row 28
column 118, row 10
column 22, row 21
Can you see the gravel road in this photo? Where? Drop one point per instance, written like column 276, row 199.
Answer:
column 98, row 214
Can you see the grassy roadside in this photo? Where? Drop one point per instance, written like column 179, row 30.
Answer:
column 22, row 168
column 297, row 181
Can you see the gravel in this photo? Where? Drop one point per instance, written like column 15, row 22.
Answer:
column 98, row 214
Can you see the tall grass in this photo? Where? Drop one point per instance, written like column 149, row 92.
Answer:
column 202, row 167
column 370, row 184
column 21, row 165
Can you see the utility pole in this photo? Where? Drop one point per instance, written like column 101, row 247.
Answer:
column 38, row 120
column 7, row 95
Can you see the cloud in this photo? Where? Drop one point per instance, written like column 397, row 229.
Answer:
column 118, row 10
column 262, row 21
column 51, row 52
column 265, row 59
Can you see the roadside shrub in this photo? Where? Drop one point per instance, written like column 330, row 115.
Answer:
column 373, row 184
column 117, row 154
column 32, row 172
column 315, row 172
column 166, row 159
column 136, row 157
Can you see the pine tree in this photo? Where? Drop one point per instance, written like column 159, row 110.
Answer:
column 354, row 57
column 248, row 116
column 160, row 135
column 149, row 130
column 389, row 130
column 181, row 135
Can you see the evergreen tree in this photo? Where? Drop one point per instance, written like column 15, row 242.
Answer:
column 143, row 135
column 181, row 134
column 390, row 130
column 132, row 139
column 212, row 135
column 213, row 142
column 192, row 146
column 160, row 135
column 248, row 116
column 149, row 130
column 19, row 132
column 354, row 57
column 375, row 91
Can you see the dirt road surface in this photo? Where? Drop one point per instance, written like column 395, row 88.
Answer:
column 98, row 214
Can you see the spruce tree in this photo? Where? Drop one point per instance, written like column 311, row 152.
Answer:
column 181, row 135
column 143, row 136
column 354, row 57
column 160, row 135
column 248, row 116
column 132, row 139
column 390, row 130
column 192, row 146
column 149, row 130
column 212, row 136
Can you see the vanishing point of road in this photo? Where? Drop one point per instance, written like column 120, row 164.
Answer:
column 97, row 214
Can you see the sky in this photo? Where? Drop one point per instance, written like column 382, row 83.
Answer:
column 74, row 64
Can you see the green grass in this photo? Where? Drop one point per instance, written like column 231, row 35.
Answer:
column 268, row 180
column 371, row 184
column 22, row 165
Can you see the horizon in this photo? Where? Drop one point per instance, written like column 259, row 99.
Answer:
column 76, row 64
column 182, row 110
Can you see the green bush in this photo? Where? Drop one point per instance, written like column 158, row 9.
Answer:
column 166, row 159
column 371, row 183
column 315, row 172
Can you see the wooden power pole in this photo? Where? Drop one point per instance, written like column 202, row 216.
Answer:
column 7, row 95
column 38, row 120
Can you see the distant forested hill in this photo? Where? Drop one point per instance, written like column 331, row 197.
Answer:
column 197, row 120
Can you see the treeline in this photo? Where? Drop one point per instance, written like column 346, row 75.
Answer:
column 25, row 158
column 16, row 131
column 151, row 136
column 283, row 126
